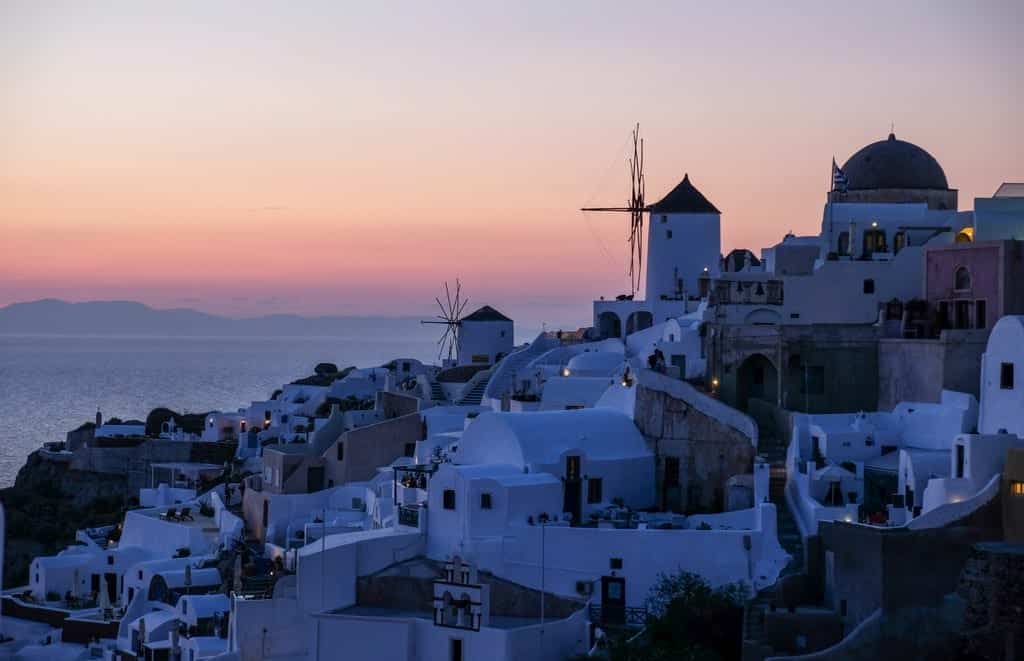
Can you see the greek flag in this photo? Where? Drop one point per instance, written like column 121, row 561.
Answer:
column 839, row 180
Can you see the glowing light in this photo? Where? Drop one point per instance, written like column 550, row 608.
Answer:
column 874, row 223
column 714, row 383
column 565, row 371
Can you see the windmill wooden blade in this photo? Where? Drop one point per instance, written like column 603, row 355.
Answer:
column 635, row 207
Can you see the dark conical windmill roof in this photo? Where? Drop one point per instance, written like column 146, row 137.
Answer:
column 684, row 198
column 486, row 313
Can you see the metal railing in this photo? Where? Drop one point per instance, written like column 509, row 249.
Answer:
column 623, row 616
column 741, row 292
column 409, row 516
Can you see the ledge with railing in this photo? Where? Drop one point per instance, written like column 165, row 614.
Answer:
column 623, row 616
column 747, row 292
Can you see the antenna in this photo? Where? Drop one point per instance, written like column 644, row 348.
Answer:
column 450, row 318
column 635, row 207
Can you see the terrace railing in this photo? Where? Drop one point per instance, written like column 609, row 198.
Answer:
column 409, row 515
column 621, row 616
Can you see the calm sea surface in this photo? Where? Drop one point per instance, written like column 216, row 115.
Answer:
column 50, row 384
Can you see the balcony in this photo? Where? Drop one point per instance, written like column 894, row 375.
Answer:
column 747, row 292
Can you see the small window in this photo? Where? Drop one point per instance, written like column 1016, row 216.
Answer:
column 485, row 501
column 899, row 241
column 184, row 606
column 594, row 488
column 410, row 450
column 140, row 574
column 668, row 234
column 449, row 499
column 962, row 279
column 874, row 241
column 1016, row 488
column 615, row 563
column 1006, row 376
column 341, row 451
column 664, row 219
column 843, row 247
column 110, row 559
column 869, row 286
column 962, row 314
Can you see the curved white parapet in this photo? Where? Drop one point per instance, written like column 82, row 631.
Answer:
column 950, row 512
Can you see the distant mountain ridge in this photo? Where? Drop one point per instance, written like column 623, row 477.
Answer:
column 54, row 316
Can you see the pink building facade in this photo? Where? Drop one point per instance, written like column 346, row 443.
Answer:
column 971, row 285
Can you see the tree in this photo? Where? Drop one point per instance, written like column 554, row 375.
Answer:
column 689, row 620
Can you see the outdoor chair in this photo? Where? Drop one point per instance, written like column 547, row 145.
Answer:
column 186, row 514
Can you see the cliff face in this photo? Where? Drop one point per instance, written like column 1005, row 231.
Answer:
column 48, row 503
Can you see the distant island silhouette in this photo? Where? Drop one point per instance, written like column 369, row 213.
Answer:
column 58, row 317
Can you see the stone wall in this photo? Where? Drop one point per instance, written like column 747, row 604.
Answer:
column 898, row 568
column 919, row 370
column 394, row 405
column 992, row 587
column 711, row 441
column 133, row 461
column 847, row 355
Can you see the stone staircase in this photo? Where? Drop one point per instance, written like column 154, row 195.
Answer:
column 436, row 392
column 476, row 394
column 773, row 450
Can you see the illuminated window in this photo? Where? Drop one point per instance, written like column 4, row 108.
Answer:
column 1016, row 488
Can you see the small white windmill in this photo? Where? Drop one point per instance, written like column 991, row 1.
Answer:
column 451, row 318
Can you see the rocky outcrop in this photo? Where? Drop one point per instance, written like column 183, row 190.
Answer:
column 48, row 503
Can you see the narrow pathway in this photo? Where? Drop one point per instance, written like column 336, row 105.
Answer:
column 773, row 449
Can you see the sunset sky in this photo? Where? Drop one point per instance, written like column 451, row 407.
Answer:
column 346, row 158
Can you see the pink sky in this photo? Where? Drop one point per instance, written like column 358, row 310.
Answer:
column 246, row 158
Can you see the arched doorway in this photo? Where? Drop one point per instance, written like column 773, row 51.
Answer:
column 757, row 378
column 609, row 325
column 638, row 321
